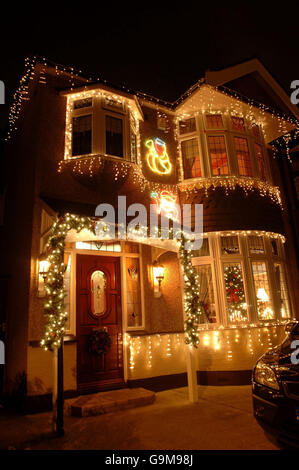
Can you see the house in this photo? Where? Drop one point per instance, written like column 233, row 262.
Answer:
column 76, row 142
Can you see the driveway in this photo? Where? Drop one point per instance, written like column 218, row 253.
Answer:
column 222, row 420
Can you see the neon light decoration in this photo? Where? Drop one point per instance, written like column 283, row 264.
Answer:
column 157, row 157
column 166, row 204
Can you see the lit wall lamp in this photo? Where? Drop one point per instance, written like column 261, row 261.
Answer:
column 158, row 275
column 42, row 276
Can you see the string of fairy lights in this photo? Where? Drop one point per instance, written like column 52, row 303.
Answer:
column 226, row 343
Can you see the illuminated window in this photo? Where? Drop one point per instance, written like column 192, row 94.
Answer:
column 114, row 136
column 81, row 143
column 235, row 293
column 260, row 161
column 238, row 124
column 191, row 159
column 187, row 125
column 256, row 245
column 99, row 246
column 162, row 122
column 206, row 293
column 133, row 292
column 84, row 103
column 229, row 245
column 282, row 291
column 214, row 121
column 262, row 291
column 218, row 155
column 243, row 156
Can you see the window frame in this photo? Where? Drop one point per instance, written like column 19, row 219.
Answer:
column 197, row 138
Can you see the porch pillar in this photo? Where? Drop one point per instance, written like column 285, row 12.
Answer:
column 191, row 374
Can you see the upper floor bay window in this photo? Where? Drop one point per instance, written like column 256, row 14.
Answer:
column 191, row 158
column 218, row 155
column 102, row 124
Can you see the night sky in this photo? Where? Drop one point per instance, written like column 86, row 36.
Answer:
column 161, row 50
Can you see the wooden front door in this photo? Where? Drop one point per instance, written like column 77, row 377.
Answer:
column 99, row 307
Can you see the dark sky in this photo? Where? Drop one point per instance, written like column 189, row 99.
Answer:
column 160, row 49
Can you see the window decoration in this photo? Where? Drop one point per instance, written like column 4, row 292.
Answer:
column 235, row 295
column 157, row 157
column 214, row 121
column 191, row 158
column 218, row 155
column 81, row 143
column 260, row 161
column 256, row 245
column 243, row 156
column 238, row 123
column 229, row 245
column 261, row 283
column 98, row 283
column 206, row 293
column 99, row 342
column 187, row 125
column 282, row 291
column 133, row 293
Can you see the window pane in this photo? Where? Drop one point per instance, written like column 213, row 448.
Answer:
column 261, row 283
column 187, row 125
column 260, row 161
column 206, row 293
column 256, row 131
column 84, row 103
column 114, row 136
column 229, row 245
column 281, row 287
column 256, row 245
column 274, row 247
column 81, row 144
column 235, row 294
column 238, row 124
column 133, row 292
column 204, row 250
column 218, row 155
column 191, row 159
column 243, row 156
column 214, row 121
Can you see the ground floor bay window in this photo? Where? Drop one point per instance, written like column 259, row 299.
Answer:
column 242, row 278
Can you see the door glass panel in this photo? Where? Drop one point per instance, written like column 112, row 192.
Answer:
column 98, row 293
column 133, row 292
column 206, row 293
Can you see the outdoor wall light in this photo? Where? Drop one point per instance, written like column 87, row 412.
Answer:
column 158, row 276
column 42, row 276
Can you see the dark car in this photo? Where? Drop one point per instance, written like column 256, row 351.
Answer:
column 275, row 387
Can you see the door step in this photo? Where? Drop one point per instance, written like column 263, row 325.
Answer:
column 108, row 402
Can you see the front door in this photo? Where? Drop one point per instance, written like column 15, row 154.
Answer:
column 99, row 308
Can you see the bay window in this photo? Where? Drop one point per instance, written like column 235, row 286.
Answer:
column 114, row 136
column 262, row 291
column 243, row 156
column 81, row 143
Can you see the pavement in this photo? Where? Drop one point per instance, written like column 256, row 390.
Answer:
column 221, row 420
